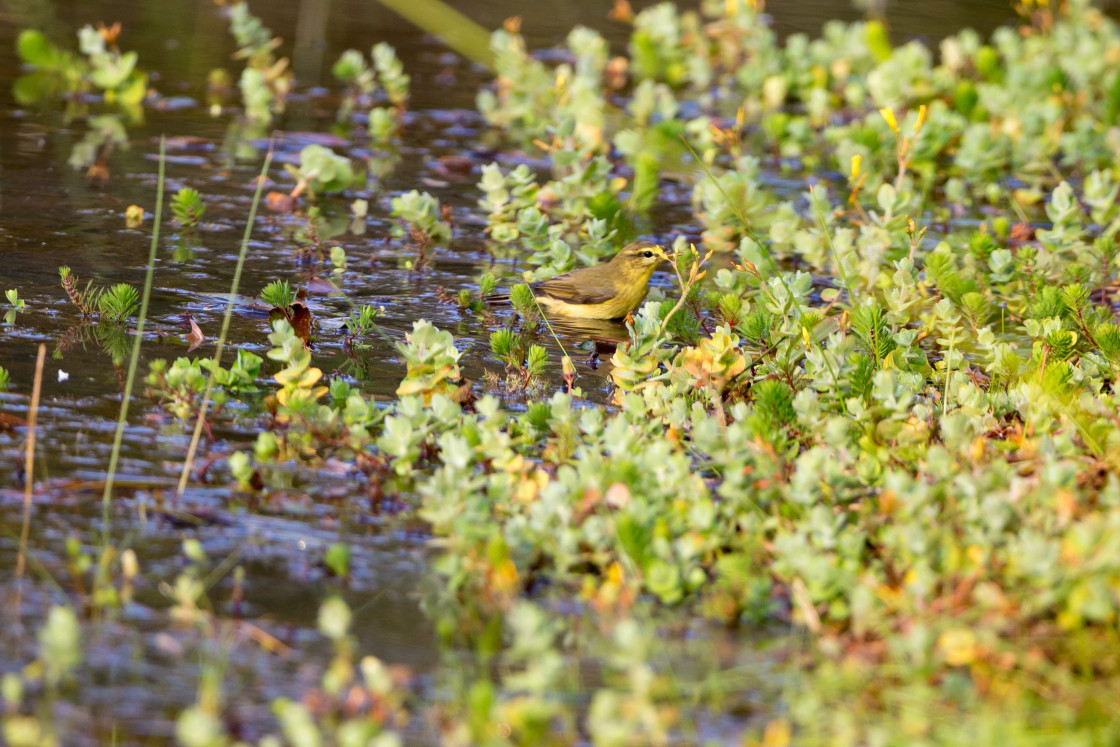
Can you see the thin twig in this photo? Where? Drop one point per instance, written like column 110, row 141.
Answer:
column 29, row 462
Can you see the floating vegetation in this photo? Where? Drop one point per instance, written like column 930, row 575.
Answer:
column 187, row 207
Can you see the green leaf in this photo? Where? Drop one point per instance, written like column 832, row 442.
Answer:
column 34, row 48
column 111, row 74
column 35, row 87
column 878, row 40
column 337, row 559
column 634, row 538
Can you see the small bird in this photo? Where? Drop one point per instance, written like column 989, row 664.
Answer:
column 611, row 290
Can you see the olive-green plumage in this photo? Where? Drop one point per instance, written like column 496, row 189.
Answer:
column 611, row 290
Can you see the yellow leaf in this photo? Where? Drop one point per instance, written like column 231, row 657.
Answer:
column 504, row 576
column 959, row 646
column 778, row 734
column 410, row 386
column 310, row 376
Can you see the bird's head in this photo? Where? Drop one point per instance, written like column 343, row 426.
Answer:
column 639, row 259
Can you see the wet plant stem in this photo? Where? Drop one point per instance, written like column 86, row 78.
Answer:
column 193, row 448
column 554, row 338
column 832, row 247
column 134, row 359
column 29, row 462
column 686, row 286
column 948, row 376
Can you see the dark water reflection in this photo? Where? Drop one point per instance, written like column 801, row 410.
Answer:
column 50, row 215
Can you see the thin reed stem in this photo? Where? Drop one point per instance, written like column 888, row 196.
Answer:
column 762, row 248
column 29, row 461
column 236, row 282
column 134, row 359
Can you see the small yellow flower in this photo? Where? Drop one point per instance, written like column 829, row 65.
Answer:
column 921, row 119
column 567, row 366
column 857, row 161
column 134, row 216
column 888, row 116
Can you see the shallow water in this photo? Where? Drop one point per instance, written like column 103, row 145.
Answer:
column 140, row 675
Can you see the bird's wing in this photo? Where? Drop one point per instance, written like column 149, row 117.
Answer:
column 571, row 288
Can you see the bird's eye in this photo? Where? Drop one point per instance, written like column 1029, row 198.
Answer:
column 647, row 254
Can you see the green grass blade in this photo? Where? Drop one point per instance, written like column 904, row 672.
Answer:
column 456, row 30
column 134, row 359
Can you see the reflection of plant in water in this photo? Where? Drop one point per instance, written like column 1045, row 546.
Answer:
column 381, row 163
column 359, row 323
column 59, row 73
column 313, row 237
column 116, row 342
column 17, row 304
column 266, row 80
column 105, row 132
column 338, row 260
column 112, row 306
column 364, row 81
column 359, row 209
